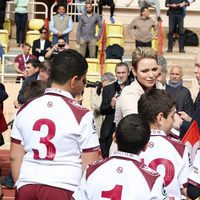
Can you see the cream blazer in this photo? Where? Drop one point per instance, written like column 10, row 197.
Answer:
column 128, row 100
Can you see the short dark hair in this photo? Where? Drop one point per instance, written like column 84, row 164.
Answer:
column 34, row 89
column 42, row 29
column 61, row 38
column 62, row 4
column 154, row 102
column 34, row 62
column 143, row 8
column 66, row 65
column 122, row 64
column 132, row 134
column 26, row 44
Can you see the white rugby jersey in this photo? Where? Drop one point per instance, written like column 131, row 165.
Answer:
column 120, row 177
column 194, row 177
column 169, row 158
column 54, row 129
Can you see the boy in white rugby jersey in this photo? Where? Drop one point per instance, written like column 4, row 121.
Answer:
column 123, row 176
column 167, row 156
column 53, row 138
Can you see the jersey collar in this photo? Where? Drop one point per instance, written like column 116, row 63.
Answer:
column 158, row 132
column 128, row 156
column 59, row 92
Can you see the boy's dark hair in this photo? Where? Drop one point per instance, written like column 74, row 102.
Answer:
column 66, row 65
column 132, row 134
column 34, row 62
column 34, row 89
column 154, row 102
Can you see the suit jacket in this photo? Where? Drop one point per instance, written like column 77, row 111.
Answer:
column 21, row 98
column 197, row 101
column 106, row 109
column 183, row 99
column 36, row 44
column 3, row 95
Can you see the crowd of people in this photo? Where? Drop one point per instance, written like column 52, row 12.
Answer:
column 129, row 146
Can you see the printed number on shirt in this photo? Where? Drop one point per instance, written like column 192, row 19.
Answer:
column 169, row 168
column 114, row 194
column 50, row 148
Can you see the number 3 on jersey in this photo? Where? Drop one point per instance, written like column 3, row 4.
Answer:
column 114, row 194
column 50, row 148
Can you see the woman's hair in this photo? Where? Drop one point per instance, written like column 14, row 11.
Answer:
column 141, row 53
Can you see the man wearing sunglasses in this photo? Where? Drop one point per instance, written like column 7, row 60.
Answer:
column 42, row 45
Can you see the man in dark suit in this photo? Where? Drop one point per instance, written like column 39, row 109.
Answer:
column 42, row 45
column 32, row 71
column 181, row 94
column 107, row 108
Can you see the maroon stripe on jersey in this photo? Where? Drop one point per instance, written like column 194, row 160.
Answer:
column 91, row 149
column 95, row 165
column 77, row 109
column 185, row 185
column 26, row 104
column 15, row 141
column 194, row 183
column 149, row 174
column 177, row 145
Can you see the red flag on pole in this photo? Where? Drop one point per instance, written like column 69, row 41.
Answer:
column 192, row 139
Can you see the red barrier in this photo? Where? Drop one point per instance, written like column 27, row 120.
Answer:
column 160, row 38
column 102, row 47
column 46, row 23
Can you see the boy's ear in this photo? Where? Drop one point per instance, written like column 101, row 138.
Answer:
column 73, row 81
column 159, row 118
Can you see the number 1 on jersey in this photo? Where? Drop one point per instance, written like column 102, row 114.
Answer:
column 114, row 194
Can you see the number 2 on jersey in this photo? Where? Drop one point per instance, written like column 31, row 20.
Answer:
column 114, row 194
column 169, row 168
column 50, row 148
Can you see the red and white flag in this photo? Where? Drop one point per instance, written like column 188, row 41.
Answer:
column 192, row 139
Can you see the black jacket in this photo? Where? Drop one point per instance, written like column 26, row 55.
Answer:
column 3, row 4
column 21, row 98
column 36, row 44
column 176, row 10
column 183, row 99
column 3, row 95
column 197, row 101
column 107, row 110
